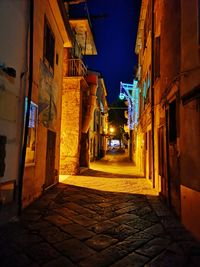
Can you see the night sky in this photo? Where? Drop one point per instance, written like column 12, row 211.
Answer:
column 115, row 36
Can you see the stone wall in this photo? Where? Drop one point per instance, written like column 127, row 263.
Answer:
column 71, row 123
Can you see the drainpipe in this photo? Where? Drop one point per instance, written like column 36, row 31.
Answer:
column 152, row 91
column 26, row 122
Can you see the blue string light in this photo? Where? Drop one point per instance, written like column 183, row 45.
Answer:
column 130, row 92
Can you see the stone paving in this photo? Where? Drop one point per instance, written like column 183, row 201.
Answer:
column 98, row 219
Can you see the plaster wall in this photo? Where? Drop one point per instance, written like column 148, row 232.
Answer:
column 190, row 165
column 169, row 86
column 13, row 39
column 170, row 43
column 189, row 36
column 190, row 118
column 35, row 174
column 190, row 200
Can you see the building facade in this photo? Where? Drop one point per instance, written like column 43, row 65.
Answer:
column 47, row 99
column 144, row 75
column 190, row 115
column 13, row 78
column 99, row 123
column 174, row 104
column 78, row 100
column 50, row 36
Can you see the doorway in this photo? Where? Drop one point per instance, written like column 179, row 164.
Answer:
column 50, row 159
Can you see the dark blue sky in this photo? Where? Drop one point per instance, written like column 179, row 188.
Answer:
column 115, row 41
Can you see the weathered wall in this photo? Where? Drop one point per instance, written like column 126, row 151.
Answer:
column 190, row 200
column 190, row 112
column 170, row 67
column 170, row 43
column 34, row 176
column 13, row 39
column 190, row 118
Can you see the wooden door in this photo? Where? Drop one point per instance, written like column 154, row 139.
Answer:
column 50, row 158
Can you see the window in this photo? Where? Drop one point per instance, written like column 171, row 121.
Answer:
column 49, row 45
column 172, row 122
column 31, row 138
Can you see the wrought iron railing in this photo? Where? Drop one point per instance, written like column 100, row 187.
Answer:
column 75, row 68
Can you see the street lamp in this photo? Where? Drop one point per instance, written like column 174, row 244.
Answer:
column 112, row 130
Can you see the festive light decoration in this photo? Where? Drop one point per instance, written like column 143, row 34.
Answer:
column 130, row 92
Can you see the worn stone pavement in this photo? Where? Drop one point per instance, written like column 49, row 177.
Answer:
column 105, row 217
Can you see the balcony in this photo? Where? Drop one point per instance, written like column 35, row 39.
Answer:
column 76, row 68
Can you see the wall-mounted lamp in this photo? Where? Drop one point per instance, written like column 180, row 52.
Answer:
column 8, row 70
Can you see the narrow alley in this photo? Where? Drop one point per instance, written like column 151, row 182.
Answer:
column 99, row 133
column 107, row 216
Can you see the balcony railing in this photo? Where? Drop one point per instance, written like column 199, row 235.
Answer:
column 75, row 68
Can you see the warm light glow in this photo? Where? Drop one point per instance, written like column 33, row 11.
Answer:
column 112, row 130
column 107, row 184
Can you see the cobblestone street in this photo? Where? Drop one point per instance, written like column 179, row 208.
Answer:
column 107, row 216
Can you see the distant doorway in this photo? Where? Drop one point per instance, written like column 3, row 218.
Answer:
column 50, row 159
